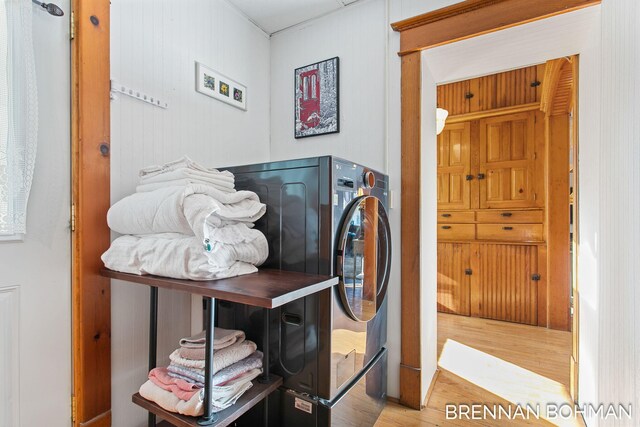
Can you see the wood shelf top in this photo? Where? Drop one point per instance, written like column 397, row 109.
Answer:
column 247, row 401
column 267, row 288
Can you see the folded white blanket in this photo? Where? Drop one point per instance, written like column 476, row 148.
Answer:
column 221, row 358
column 170, row 255
column 223, row 396
column 183, row 163
column 212, row 176
column 180, row 183
column 183, row 210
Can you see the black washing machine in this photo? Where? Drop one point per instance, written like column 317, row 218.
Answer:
column 325, row 215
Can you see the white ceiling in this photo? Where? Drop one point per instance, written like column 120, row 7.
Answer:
column 275, row 15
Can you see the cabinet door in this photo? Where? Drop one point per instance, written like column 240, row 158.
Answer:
column 504, row 288
column 507, row 161
column 454, row 159
column 453, row 283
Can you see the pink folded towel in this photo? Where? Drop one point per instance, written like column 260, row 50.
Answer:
column 223, row 396
column 184, row 390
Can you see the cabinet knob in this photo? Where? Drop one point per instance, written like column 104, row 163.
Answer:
column 468, row 272
column 481, row 176
column 469, row 177
column 507, row 228
column 446, row 227
column 446, row 215
column 506, row 214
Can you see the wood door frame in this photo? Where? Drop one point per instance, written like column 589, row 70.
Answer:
column 90, row 139
column 460, row 21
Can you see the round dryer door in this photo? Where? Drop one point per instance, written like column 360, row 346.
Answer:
column 364, row 258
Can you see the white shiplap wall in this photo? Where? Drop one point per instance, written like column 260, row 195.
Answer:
column 154, row 46
column 619, row 296
column 357, row 35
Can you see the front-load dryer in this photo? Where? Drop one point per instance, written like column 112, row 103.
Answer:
column 325, row 215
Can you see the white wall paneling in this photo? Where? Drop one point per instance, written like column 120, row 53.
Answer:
column 348, row 35
column 38, row 268
column 154, row 47
column 9, row 357
column 619, row 209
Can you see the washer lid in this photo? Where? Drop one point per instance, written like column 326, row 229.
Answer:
column 364, row 258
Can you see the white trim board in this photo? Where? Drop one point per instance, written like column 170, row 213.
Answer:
column 9, row 356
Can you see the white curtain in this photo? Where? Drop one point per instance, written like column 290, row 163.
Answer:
column 18, row 114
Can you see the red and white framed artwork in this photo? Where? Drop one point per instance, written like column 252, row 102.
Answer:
column 317, row 99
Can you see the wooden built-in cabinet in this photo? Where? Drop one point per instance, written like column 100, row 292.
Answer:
column 454, row 167
column 491, row 177
column 454, row 279
column 490, row 280
column 507, row 152
column 502, row 90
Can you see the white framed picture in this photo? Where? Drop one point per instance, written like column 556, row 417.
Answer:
column 211, row 83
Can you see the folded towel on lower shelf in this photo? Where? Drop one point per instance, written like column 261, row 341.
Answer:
column 222, row 377
column 196, row 376
column 221, row 338
column 221, row 358
column 223, row 396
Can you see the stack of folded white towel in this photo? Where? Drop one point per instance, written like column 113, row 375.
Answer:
column 187, row 222
column 179, row 387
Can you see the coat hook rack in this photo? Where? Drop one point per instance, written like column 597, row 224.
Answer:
column 134, row 93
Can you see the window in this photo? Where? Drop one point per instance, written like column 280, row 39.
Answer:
column 314, row 88
column 18, row 115
column 305, row 88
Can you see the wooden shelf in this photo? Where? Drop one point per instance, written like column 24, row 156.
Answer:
column 266, row 288
column 248, row 400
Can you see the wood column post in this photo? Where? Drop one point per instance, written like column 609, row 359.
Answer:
column 411, row 361
column 91, row 126
column 558, row 232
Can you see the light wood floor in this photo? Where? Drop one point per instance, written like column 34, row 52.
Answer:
column 493, row 363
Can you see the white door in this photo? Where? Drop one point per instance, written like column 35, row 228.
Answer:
column 35, row 280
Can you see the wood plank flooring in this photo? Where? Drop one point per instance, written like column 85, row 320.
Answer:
column 494, row 363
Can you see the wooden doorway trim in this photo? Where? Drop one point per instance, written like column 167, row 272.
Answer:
column 460, row 21
column 91, row 299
